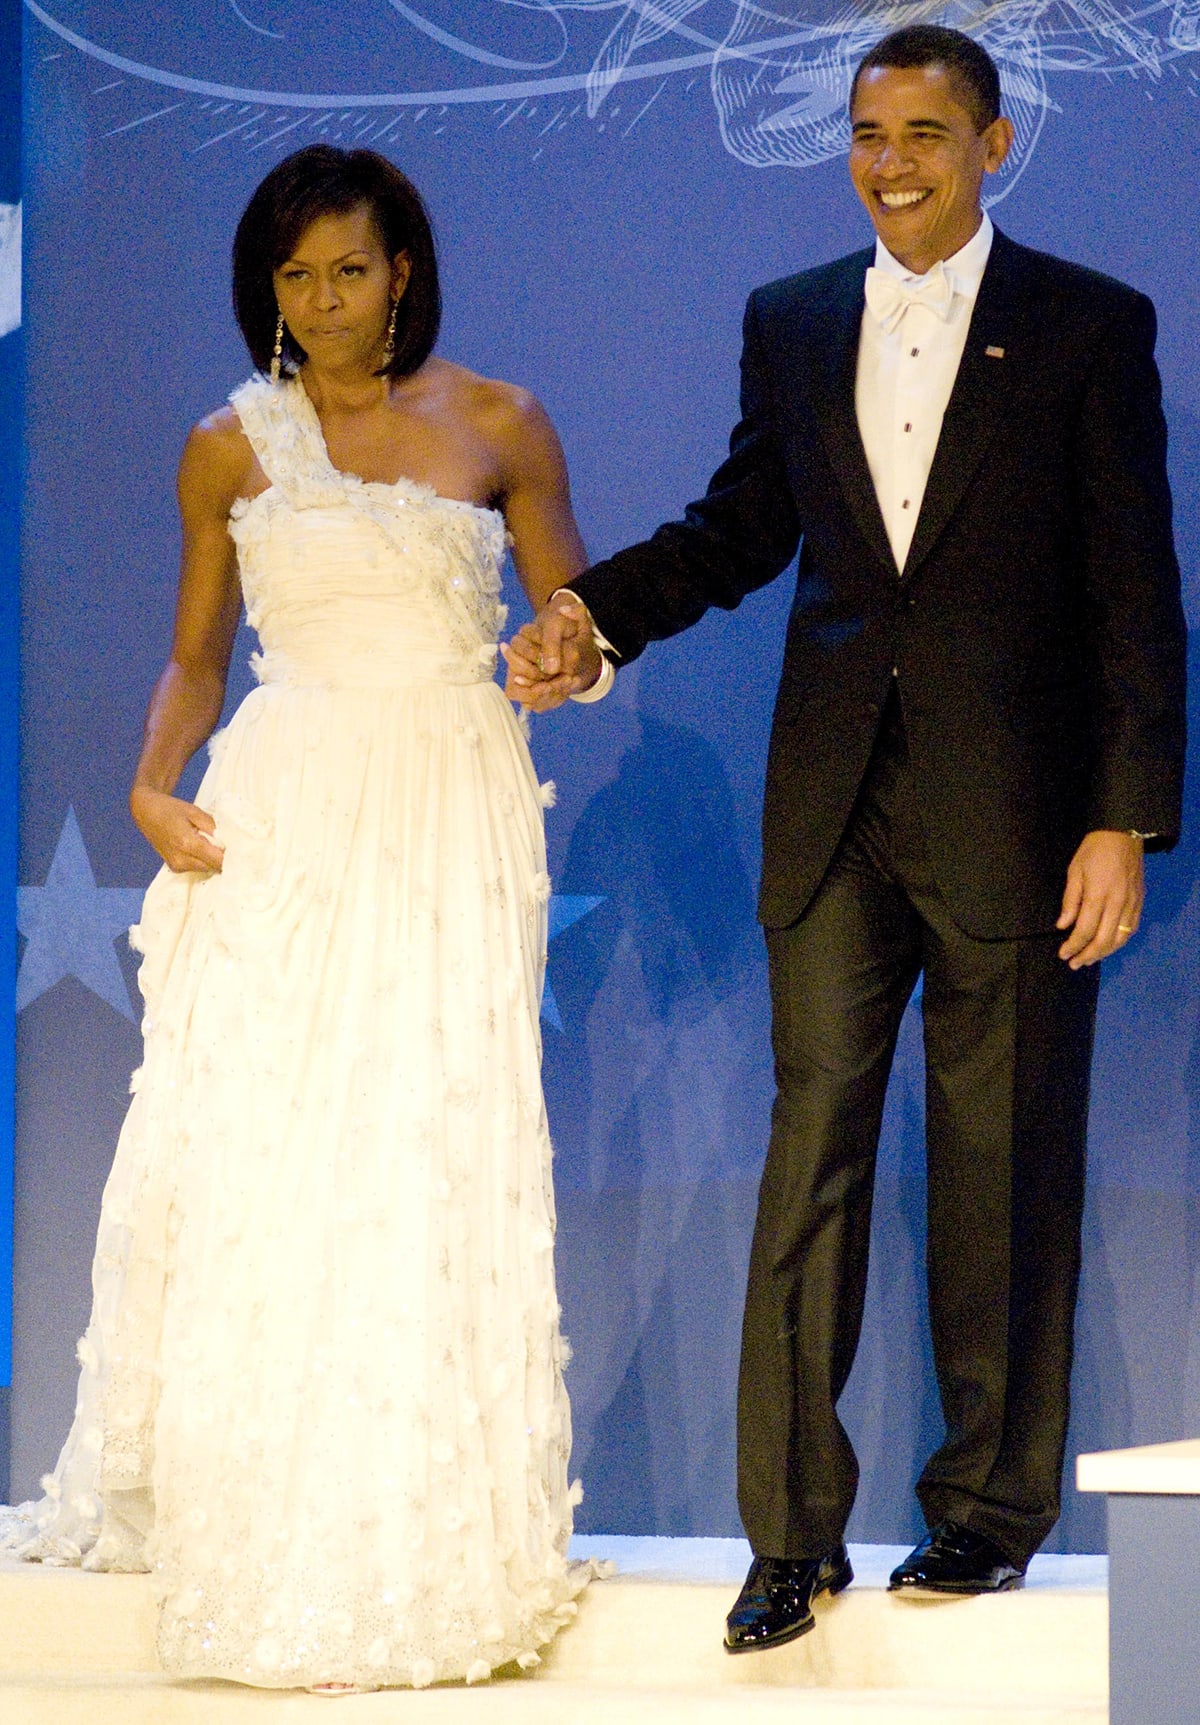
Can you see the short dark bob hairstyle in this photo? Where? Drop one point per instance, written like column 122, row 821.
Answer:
column 322, row 180
column 971, row 67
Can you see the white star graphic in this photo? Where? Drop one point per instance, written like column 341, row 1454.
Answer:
column 10, row 268
column 70, row 925
column 566, row 908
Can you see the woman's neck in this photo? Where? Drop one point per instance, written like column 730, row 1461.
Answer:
column 352, row 390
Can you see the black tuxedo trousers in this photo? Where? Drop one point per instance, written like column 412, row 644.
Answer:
column 1008, row 1039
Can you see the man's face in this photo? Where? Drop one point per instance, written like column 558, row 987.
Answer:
column 917, row 161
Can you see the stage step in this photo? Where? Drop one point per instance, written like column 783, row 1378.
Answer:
column 646, row 1649
column 148, row 1702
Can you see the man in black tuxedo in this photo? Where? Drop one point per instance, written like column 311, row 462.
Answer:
column 979, row 727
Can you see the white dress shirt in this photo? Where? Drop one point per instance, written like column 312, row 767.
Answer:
column 907, row 365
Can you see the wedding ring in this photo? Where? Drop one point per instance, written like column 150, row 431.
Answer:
column 1124, row 928
column 541, row 666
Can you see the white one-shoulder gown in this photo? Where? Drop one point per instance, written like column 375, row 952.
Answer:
column 321, row 1394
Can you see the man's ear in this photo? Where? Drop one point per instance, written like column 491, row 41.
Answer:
column 998, row 141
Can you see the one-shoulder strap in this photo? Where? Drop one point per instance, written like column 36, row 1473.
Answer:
column 286, row 439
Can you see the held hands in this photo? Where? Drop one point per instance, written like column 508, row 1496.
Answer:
column 180, row 832
column 1102, row 904
column 553, row 657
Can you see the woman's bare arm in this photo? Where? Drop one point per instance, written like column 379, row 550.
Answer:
column 186, row 704
column 547, row 549
column 536, row 499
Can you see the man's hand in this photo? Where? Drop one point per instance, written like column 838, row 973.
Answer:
column 1102, row 904
column 553, row 657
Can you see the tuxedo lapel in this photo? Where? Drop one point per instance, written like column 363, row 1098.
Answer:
column 835, row 331
column 993, row 355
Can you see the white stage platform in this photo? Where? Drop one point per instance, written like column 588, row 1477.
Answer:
column 645, row 1650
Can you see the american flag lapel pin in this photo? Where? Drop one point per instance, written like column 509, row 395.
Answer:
column 994, row 352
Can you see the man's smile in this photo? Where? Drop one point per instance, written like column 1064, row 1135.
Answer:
column 902, row 200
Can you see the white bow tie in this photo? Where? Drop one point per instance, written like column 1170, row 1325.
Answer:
column 888, row 298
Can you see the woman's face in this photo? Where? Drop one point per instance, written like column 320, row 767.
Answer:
column 337, row 288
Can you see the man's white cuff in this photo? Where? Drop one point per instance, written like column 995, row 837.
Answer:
column 601, row 686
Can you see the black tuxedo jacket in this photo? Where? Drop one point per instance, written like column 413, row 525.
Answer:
column 1036, row 628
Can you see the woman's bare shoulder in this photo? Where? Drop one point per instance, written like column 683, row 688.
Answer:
column 506, row 414
column 478, row 396
column 218, row 464
column 218, row 439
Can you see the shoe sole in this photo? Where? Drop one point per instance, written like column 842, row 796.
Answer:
column 947, row 1589
column 837, row 1583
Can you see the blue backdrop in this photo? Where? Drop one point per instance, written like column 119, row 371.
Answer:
column 608, row 181
column 11, row 358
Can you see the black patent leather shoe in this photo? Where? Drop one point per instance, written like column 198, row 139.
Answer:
column 775, row 1605
column 952, row 1559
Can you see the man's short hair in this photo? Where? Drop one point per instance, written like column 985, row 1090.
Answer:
column 971, row 67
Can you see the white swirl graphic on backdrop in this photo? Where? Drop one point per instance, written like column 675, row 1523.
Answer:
column 778, row 74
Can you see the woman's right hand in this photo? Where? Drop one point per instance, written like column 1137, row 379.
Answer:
column 181, row 833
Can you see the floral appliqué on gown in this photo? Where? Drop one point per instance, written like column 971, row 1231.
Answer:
column 321, row 1391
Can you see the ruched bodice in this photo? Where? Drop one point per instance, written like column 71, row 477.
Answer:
column 358, row 584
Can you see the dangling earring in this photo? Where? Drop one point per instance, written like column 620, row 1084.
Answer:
column 277, row 356
column 389, row 346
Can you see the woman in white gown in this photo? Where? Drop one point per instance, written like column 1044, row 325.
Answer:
column 321, row 1393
